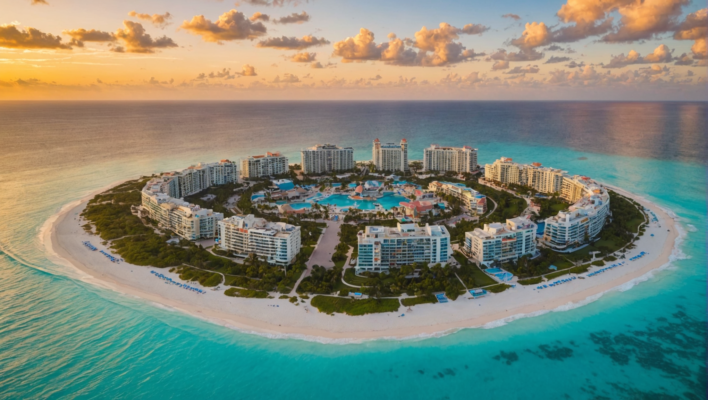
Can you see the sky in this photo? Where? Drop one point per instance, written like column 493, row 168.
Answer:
column 347, row 50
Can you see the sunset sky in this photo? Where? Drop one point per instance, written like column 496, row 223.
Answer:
column 365, row 49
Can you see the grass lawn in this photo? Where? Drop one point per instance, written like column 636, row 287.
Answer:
column 353, row 279
column 235, row 292
column 531, row 281
column 575, row 270
column 498, row 288
column 480, row 278
column 330, row 305
column 411, row 301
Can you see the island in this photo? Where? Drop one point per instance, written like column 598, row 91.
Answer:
column 332, row 249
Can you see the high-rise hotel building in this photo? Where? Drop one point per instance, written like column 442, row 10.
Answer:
column 381, row 248
column 324, row 158
column 390, row 156
column 276, row 242
column 501, row 242
column 458, row 159
column 264, row 165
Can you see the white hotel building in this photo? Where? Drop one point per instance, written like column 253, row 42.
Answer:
column 390, row 156
column 188, row 221
column 458, row 159
column 501, row 242
column 264, row 165
column 381, row 248
column 470, row 198
column 583, row 221
column 276, row 242
column 569, row 230
column 324, row 158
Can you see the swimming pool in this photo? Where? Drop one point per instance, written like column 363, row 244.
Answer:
column 336, row 185
column 299, row 206
column 388, row 201
column 493, row 270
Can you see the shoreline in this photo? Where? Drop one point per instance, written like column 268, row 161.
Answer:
column 62, row 236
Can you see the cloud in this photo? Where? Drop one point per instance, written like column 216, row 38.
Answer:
column 375, row 78
column 29, row 38
column 529, row 69
column 689, row 73
column 293, row 18
column 260, row 17
column 436, row 47
column 319, row 65
column 695, row 27
column 231, row 25
column 225, row 74
column 303, row 57
column 79, row 36
column 287, row 78
column 136, row 40
column 639, row 19
column 684, row 59
column 535, row 35
column 158, row 20
column 661, row 54
column 248, row 70
column 573, row 64
column 269, row 3
column 554, row 60
column 292, row 43
column 522, row 55
column 512, row 16
column 37, row 2
column 500, row 64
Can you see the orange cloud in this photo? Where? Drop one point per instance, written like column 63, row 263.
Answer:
column 303, row 57
column 292, row 43
column 293, row 18
column 231, row 25
column 136, row 40
column 30, row 38
column 695, row 27
column 159, row 20
column 661, row 54
column 260, row 17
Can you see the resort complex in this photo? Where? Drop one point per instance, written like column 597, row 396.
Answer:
column 198, row 177
column 275, row 242
column 390, row 156
column 458, row 159
column 324, row 158
column 381, row 248
column 501, row 242
column 570, row 229
column 264, row 165
column 188, row 221
column 474, row 201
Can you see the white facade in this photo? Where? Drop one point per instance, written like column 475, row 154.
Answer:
column 501, row 242
column 381, row 248
column 276, row 242
column 458, row 159
column 535, row 176
column 188, row 221
column 470, row 198
column 327, row 158
column 583, row 221
column 264, row 165
column 200, row 177
column 390, row 156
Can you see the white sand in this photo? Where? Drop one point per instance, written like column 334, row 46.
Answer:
column 63, row 237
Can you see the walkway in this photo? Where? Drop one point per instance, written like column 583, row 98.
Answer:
column 323, row 251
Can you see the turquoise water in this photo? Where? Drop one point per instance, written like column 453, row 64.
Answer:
column 63, row 338
column 298, row 206
column 387, row 201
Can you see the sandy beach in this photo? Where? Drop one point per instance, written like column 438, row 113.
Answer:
column 62, row 236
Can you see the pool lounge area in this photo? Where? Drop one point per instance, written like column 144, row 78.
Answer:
column 387, row 201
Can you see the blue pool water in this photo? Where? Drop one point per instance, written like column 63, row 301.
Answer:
column 387, row 201
column 62, row 337
column 492, row 270
column 298, row 206
column 336, row 184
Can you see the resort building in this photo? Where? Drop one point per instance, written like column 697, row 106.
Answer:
column 582, row 223
column 501, row 242
column 470, row 198
column 458, row 159
column 264, row 165
column 569, row 230
column 324, row 158
column 276, row 242
column 199, row 177
column 381, row 248
column 390, row 156
column 188, row 221
column 416, row 208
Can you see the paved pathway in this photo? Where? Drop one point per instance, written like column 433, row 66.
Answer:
column 323, row 251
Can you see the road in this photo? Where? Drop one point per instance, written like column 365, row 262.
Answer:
column 323, row 251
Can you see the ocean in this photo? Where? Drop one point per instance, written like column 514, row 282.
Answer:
column 62, row 338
